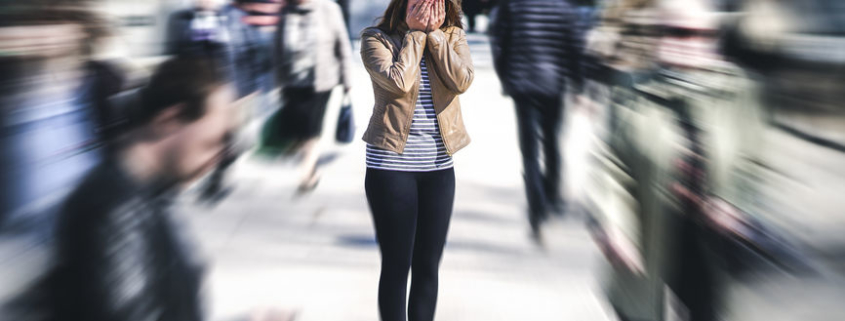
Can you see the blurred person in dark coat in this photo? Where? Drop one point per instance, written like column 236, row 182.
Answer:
column 313, row 55
column 246, row 51
column 226, row 33
column 537, row 53
column 119, row 252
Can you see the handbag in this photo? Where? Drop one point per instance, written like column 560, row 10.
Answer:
column 345, row 132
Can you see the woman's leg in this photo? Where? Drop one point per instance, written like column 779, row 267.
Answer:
column 436, row 200
column 311, row 147
column 393, row 202
column 308, row 170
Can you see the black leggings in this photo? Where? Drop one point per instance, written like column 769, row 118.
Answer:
column 411, row 212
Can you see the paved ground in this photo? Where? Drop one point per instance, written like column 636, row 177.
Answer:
column 317, row 254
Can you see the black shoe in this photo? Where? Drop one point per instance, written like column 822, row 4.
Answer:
column 215, row 194
column 535, row 221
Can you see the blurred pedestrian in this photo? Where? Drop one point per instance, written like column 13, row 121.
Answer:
column 199, row 30
column 679, row 131
column 419, row 62
column 247, row 56
column 344, row 7
column 471, row 9
column 49, row 102
column 537, row 53
column 119, row 254
column 791, row 182
column 312, row 55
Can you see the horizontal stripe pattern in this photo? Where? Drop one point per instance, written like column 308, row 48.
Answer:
column 424, row 150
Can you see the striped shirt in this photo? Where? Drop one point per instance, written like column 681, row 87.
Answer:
column 424, row 150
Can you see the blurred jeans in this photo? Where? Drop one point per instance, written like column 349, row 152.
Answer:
column 539, row 121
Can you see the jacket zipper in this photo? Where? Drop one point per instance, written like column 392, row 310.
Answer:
column 445, row 144
column 439, row 123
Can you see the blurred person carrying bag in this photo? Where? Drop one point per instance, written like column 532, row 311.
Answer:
column 312, row 55
column 277, row 138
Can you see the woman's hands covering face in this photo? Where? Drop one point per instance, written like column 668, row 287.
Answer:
column 419, row 15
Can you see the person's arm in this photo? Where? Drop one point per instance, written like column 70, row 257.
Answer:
column 343, row 49
column 395, row 75
column 175, row 33
column 575, row 50
column 278, row 49
column 452, row 59
column 500, row 36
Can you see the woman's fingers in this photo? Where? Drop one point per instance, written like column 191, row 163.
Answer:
column 438, row 14
column 425, row 10
column 441, row 10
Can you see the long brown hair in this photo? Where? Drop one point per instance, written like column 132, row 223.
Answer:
column 394, row 16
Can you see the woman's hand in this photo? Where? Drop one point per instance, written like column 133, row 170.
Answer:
column 438, row 15
column 419, row 15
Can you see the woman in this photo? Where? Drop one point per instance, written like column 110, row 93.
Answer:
column 313, row 55
column 419, row 63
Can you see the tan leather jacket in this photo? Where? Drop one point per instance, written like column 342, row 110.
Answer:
column 393, row 61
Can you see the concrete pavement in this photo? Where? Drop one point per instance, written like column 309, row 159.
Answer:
column 317, row 254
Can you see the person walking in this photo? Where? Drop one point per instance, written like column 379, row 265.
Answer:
column 536, row 47
column 313, row 55
column 471, row 9
column 419, row 62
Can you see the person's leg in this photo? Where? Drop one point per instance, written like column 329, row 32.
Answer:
column 694, row 282
column 311, row 147
column 436, row 200
column 471, row 21
column 527, row 115
column 550, row 122
column 393, row 202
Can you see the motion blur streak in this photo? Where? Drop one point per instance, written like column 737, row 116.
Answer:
column 631, row 160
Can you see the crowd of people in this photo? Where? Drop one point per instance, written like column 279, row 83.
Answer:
column 715, row 175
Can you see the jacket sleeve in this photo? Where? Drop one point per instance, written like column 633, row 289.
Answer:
column 451, row 59
column 575, row 51
column 397, row 75
column 277, row 46
column 500, row 36
column 343, row 49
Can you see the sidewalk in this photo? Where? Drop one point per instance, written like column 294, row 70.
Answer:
column 318, row 254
